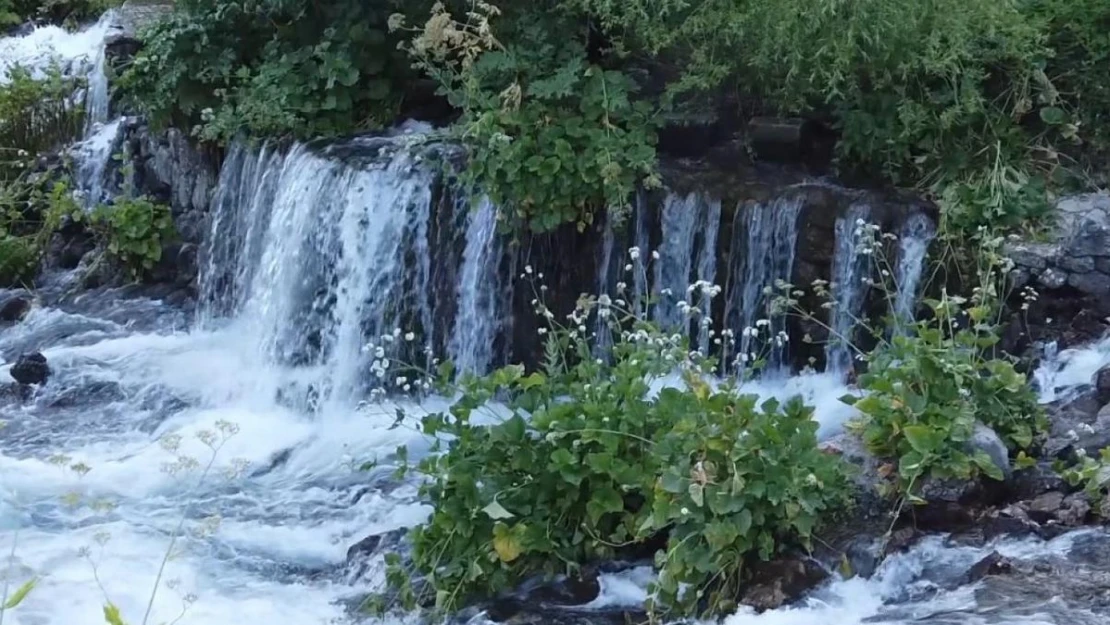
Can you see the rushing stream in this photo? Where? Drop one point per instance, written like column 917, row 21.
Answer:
column 246, row 428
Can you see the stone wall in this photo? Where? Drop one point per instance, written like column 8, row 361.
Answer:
column 1069, row 269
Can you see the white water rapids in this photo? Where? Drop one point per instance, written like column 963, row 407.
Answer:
column 90, row 500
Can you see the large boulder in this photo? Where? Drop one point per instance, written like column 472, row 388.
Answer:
column 31, row 369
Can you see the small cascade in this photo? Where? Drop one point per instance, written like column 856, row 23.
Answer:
column 707, row 269
column 94, row 175
column 316, row 257
column 478, row 319
column 850, row 269
column 676, row 257
column 77, row 54
column 604, row 286
column 642, row 240
column 769, row 233
column 913, row 246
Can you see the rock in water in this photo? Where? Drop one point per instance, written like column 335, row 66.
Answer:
column 781, row 582
column 15, row 305
column 31, row 369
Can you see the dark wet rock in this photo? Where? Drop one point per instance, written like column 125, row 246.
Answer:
column 993, row 564
column 1045, row 507
column 277, row 460
column 1011, row 521
column 1035, row 480
column 1081, row 422
column 867, row 474
column 359, row 555
column 1074, row 509
column 31, row 369
column 15, row 392
column 780, row 582
column 14, row 305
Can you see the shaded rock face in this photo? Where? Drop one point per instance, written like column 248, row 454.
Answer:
column 1070, row 271
column 1080, row 422
column 31, row 369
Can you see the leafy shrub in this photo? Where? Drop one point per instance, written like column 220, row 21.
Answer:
column 36, row 116
column 19, row 260
column 553, row 138
column 273, row 67
column 925, row 391
column 1090, row 474
column 135, row 230
column 581, row 462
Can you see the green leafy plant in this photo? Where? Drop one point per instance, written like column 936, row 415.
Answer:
column 545, row 473
column 135, row 230
column 36, row 115
column 1090, row 474
column 269, row 68
column 929, row 381
column 553, row 137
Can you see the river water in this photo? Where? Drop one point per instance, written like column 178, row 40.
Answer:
column 215, row 466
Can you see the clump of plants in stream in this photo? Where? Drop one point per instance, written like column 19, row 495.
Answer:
column 930, row 382
column 591, row 457
column 134, row 231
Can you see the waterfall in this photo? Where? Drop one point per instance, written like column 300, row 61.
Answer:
column 917, row 233
column 676, row 252
column 641, row 240
column 682, row 217
column 478, row 318
column 769, row 233
column 315, row 256
column 76, row 54
column 850, row 269
column 604, row 271
column 707, row 268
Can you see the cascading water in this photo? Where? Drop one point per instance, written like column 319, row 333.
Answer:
column 76, row 54
column 313, row 252
column 604, row 270
column 329, row 256
column 769, row 232
column 913, row 245
column 707, row 269
column 479, row 290
column 641, row 240
column 851, row 268
column 680, row 217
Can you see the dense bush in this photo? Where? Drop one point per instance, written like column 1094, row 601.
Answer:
column 270, row 67
column 36, row 115
column 559, row 100
column 546, row 473
column 69, row 12
column 134, row 231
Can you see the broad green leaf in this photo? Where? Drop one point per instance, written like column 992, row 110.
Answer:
column 984, row 462
column 1053, row 115
column 920, row 437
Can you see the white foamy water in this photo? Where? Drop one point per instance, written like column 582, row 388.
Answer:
column 275, row 556
column 75, row 53
column 1062, row 374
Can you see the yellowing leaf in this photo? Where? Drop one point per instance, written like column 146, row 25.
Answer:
column 20, row 594
column 111, row 615
column 505, row 543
